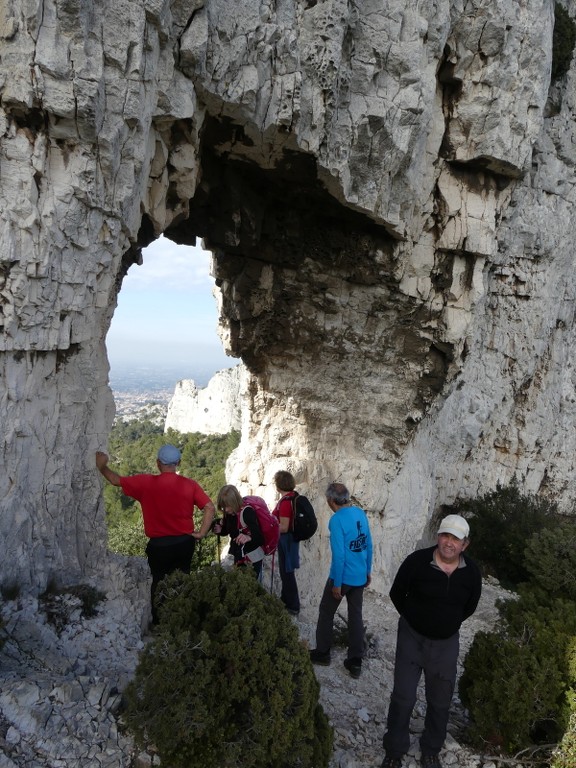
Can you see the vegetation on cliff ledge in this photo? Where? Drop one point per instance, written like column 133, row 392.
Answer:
column 563, row 41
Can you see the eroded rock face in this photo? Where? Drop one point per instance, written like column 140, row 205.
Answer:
column 389, row 202
column 215, row 409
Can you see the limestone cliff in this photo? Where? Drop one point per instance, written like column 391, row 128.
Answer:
column 213, row 410
column 388, row 192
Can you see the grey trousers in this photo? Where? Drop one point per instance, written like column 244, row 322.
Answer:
column 437, row 659
column 325, row 627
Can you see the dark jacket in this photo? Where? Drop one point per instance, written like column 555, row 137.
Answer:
column 230, row 527
column 434, row 603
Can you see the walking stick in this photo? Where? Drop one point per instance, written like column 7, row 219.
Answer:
column 272, row 576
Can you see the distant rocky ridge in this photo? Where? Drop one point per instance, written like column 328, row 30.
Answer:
column 213, row 410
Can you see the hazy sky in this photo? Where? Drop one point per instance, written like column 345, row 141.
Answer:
column 166, row 312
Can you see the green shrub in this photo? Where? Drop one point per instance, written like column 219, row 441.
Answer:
column 226, row 682
column 550, row 559
column 206, row 551
column 563, row 41
column 501, row 524
column 515, row 680
column 59, row 603
column 126, row 535
column 565, row 755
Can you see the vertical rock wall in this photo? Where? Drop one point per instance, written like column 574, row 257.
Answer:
column 387, row 188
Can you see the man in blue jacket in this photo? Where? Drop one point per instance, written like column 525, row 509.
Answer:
column 351, row 545
column 434, row 591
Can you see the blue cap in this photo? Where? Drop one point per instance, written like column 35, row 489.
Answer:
column 169, row 454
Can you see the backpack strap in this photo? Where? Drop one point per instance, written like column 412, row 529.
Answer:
column 241, row 522
column 293, row 504
column 242, row 527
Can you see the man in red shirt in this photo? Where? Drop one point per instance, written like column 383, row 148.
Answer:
column 167, row 501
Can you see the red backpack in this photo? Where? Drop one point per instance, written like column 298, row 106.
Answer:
column 266, row 520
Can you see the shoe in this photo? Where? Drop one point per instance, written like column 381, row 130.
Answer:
column 293, row 611
column 320, row 657
column 391, row 762
column 430, row 761
column 354, row 666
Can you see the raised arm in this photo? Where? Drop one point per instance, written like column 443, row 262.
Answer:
column 102, row 465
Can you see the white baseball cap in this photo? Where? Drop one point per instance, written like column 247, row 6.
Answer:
column 456, row 525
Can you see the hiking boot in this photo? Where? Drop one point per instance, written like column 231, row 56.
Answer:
column 320, row 657
column 293, row 611
column 391, row 762
column 354, row 666
column 431, row 761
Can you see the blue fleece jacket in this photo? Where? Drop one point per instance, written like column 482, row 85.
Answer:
column 351, row 545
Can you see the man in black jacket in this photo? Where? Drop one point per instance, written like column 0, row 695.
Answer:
column 434, row 591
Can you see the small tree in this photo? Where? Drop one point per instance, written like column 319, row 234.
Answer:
column 501, row 524
column 226, row 682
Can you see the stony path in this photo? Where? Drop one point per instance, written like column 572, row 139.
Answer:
column 357, row 708
column 59, row 694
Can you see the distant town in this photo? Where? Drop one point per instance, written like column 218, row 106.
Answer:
column 144, row 391
column 142, row 405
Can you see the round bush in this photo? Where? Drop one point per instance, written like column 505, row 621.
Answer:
column 515, row 680
column 565, row 754
column 226, row 681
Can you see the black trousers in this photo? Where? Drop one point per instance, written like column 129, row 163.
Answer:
column 325, row 627
column 437, row 659
column 289, row 595
column 166, row 555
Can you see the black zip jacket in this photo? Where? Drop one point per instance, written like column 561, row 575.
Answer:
column 434, row 603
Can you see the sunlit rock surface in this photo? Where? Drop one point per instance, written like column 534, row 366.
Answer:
column 388, row 192
column 212, row 410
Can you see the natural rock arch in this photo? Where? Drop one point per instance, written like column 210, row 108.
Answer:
column 376, row 183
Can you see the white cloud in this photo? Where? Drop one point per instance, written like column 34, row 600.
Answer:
column 166, row 314
column 171, row 267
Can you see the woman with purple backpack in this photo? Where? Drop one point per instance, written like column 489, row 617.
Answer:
column 240, row 522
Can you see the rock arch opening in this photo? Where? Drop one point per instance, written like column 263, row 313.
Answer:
column 164, row 327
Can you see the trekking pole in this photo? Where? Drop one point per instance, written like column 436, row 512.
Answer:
column 272, row 576
column 218, row 539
